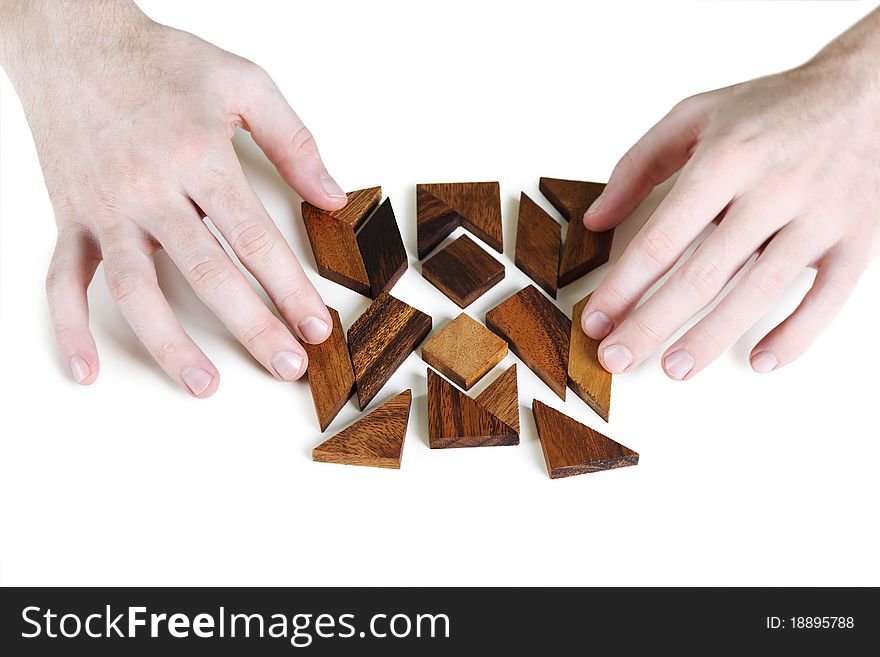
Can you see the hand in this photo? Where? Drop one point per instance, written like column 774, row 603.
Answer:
column 132, row 122
column 788, row 167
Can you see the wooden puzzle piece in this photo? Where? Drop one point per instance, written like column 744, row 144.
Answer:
column 456, row 420
column 330, row 372
column 584, row 250
column 381, row 339
column 464, row 351
column 501, row 398
column 586, row 376
column 375, row 440
column 571, row 448
column 538, row 245
column 538, row 332
column 463, row 271
column 335, row 247
column 381, row 248
column 442, row 207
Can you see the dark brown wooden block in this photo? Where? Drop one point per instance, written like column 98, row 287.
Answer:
column 538, row 244
column 456, row 420
column 463, row 271
column 538, row 332
column 586, row 376
column 501, row 398
column 333, row 240
column 571, row 448
column 381, row 339
column 442, row 207
column 331, row 375
column 382, row 250
column 375, row 440
column 463, row 351
column 584, row 250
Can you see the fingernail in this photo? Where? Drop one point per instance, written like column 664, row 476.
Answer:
column 597, row 325
column 597, row 204
column 678, row 364
column 287, row 364
column 617, row 358
column 331, row 186
column 196, row 379
column 764, row 362
column 313, row 330
column 79, row 368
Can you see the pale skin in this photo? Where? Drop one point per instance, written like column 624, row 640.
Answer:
column 788, row 167
column 132, row 122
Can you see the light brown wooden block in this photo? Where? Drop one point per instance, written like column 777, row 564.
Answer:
column 456, row 420
column 501, row 398
column 381, row 339
column 375, row 440
column 331, row 375
column 571, row 448
column 538, row 332
column 586, row 376
column 538, row 245
column 442, row 207
column 463, row 351
column 584, row 250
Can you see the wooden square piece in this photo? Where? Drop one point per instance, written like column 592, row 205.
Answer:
column 463, row 271
column 463, row 351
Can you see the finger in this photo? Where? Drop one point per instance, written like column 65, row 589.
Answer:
column 235, row 209
column 289, row 144
column 131, row 279
column 224, row 289
column 661, row 152
column 706, row 186
column 695, row 284
column 838, row 274
column 762, row 284
column 72, row 268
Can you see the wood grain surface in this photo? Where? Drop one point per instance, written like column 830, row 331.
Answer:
column 571, row 448
column 360, row 204
column 463, row 271
column 381, row 339
column 538, row 332
column 330, row 372
column 586, row 376
column 584, row 250
column 442, row 207
column 382, row 250
column 538, row 244
column 375, row 440
column 456, row 420
column 463, row 351
column 501, row 398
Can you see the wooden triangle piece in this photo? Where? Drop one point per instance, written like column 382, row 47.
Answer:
column 584, row 250
column 456, row 420
column 331, row 376
column 571, row 448
column 442, row 207
column 538, row 244
column 586, row 376
column 501, row 398
column 375, row 440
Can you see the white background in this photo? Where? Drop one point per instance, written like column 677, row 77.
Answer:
column 744, row 479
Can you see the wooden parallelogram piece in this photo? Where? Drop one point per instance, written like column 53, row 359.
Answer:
column 382, row 250
column 463, row 271
column 584, row 249
column 442, row 207
column 538, row 332
column 571, row 448
column 381, row 339
column 464, row 351
column 374, row 440
column 330, row 372
column 538, row 245
column 586, row 376
column 456, row 420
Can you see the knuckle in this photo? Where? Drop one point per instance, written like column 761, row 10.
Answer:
column 648, row 330
column 701, row 278
column 164, row 350
column 303, row 142
column 294, row 296
column 207, row 274
column 254, row 243
column 618, row 296
column 656, row 246
column 704, row 333
column 766, row 280
column 258, row 330
column 124, row 285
